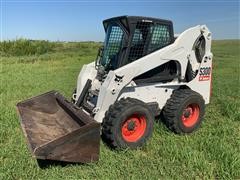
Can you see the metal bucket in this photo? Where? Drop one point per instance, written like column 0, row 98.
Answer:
column 57, row 130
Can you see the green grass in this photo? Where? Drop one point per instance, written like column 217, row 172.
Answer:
column 211, row 152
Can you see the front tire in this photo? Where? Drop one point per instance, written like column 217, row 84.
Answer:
column 184, row 111
column 127, row 124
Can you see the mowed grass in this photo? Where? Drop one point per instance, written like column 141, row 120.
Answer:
column 211, row 152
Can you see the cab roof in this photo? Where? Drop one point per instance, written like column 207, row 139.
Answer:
column 127, row 20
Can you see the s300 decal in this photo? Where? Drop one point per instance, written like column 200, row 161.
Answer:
column 205, row 73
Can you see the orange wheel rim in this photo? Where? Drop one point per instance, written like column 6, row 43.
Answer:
column 134, row 128
column 190, row 115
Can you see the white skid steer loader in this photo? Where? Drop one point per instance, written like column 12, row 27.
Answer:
column 141, row 71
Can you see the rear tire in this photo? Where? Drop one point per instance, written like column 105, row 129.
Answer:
column 127, row 124
column 184, row 111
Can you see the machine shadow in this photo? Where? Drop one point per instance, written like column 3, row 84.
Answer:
column 44, row 164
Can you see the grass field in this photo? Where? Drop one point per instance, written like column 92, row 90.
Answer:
column 211, row 152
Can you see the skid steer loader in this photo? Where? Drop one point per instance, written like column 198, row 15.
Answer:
column 141, row 71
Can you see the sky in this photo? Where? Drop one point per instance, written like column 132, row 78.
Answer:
column 81, row 20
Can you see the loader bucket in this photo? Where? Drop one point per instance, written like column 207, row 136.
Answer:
column 55, row 129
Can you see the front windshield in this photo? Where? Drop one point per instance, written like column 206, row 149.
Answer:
column 112, row 46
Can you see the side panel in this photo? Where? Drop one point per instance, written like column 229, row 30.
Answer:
column 150, row 93
column 202, row 82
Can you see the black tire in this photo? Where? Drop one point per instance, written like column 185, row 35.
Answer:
column 184, row 105
column 114, row 124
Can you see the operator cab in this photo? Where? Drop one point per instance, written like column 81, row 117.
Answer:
column 129, row 38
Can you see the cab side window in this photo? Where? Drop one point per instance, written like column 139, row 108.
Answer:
column 140, row 40
column 147, row 38
column 160, row 37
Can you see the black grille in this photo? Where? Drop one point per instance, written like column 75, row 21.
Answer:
column 148, row 37
column 160, row 37
column 140, row 37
